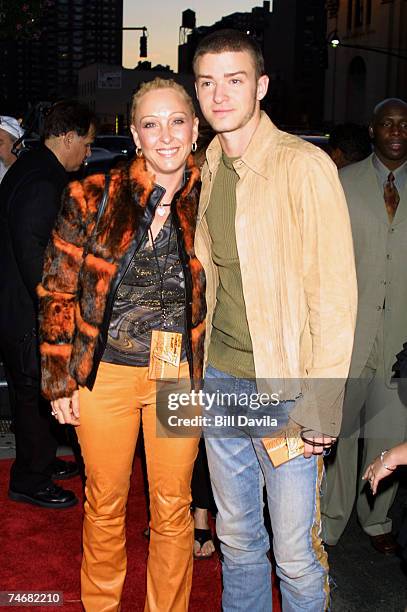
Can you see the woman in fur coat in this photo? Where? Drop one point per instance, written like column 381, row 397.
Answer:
column 122, row 305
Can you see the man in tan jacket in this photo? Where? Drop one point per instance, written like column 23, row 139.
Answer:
column 274, row 238
column 376, row 193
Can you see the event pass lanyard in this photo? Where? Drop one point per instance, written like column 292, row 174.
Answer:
column 165, row 349
column 161, row 272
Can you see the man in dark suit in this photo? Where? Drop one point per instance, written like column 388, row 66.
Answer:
column 30, row 198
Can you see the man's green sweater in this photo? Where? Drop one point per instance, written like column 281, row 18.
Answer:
column 230, row 348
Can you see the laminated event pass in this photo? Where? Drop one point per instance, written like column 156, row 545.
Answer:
column 287, row 445
column 165, row 355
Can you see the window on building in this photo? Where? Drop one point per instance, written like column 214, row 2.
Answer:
column 359, row 10
column 349, row 16
column 368, row 12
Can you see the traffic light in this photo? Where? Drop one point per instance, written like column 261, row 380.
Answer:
column 143, row 45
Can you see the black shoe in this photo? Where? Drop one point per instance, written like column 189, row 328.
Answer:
column 385, row 543
column 62, row 470
column 52, row 496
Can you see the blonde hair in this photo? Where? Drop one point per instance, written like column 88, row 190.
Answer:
column 159, row 83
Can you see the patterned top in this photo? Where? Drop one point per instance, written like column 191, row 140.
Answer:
column 137, row 307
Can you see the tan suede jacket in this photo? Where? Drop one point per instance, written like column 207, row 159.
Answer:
column 296, row 257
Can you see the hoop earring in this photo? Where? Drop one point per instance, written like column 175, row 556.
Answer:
column 194, row 147
column 139, row 152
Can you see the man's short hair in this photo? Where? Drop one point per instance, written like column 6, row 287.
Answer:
column 68, row 116
column 230, row 41
column 352, row 139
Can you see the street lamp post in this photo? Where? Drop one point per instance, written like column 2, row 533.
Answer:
column 143, row 37
column 335, row 42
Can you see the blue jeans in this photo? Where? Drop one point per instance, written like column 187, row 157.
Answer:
column 239, row 468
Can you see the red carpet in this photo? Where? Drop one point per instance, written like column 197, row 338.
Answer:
column 41, row 551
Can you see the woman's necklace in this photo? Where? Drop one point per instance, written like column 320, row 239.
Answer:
column 161, row 209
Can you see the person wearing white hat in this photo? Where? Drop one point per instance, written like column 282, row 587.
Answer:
column 10, row 131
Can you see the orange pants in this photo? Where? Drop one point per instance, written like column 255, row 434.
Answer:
column 110, row 418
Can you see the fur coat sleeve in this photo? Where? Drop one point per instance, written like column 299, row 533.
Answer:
column 81, row 265
column 58, row 292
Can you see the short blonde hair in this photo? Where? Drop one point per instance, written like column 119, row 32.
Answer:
column 159, row 83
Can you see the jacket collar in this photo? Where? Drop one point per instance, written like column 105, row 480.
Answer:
column 51, row 160
column 266, row 136
column 143, row 182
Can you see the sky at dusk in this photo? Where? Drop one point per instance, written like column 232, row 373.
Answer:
column 162, row 18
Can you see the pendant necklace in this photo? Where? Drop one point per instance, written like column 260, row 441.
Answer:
column 161, row 209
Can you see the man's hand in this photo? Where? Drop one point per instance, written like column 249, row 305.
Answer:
column 66, row 409
column 316, row 443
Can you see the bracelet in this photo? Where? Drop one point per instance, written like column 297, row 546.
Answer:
column 382, row 454
column 309, row 441
column 312, row 442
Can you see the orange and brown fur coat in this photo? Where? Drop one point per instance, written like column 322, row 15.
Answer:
column 81, row 266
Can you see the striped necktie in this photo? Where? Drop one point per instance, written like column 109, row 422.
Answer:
column 391, row 196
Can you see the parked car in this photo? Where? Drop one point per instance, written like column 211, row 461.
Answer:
column 107, row 151
column 320, row 140
column 101, row 160
column 122, row 145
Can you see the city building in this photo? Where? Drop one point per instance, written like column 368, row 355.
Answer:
column 257, row 23
column 67, row 35
column 108, row 90
column 291, row 34
column 363, row 67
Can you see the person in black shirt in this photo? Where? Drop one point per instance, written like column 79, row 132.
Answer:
column 30, row 196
